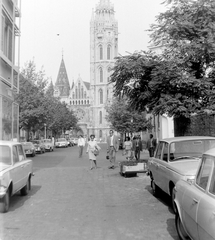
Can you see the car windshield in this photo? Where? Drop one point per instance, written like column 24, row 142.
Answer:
column 47, row 141
column 61, row 140
column 5, row 155
column 36, row 141
column 190, row 149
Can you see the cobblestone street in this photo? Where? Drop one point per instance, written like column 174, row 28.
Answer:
column 70, row 202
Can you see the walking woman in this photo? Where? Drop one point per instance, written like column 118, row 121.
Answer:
column 128, row 148
column 93, row 150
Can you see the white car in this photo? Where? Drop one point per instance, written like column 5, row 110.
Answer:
column 61, row 142
column 15, row 172
column 195, row 202
column 49, row 145
column 174, row 159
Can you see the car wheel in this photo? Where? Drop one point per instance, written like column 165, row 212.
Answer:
column 180, row 228
column 25, row 190
column 155, row 189
column 4, row 203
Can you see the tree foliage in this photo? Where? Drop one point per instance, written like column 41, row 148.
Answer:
column 180, row 81
column 38, row 106
column 123, row 119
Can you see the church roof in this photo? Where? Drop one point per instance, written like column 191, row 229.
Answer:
column 87, row 84
column 62, row 82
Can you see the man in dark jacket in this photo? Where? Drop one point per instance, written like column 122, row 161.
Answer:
column 151, row 145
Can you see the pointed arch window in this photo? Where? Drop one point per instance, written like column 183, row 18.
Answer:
column 100, row 52
column 100, row 96
column 100, row 117
column 101, row 74
column 108, row 52
column 82, row 92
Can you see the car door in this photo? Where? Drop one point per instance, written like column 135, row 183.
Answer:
column 155, row 164
column 206, row 209
column 192, row 198
column 16, row 170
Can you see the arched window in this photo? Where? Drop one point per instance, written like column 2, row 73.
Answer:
column 82, row 92
column 108, row 52
column 85, row 94
column 81, row 102
column 100, row 133
column 100, row 117
column 88, row 101
column 100, row 52
column 73, row 103
column 85, row 102
column 100, row 96
column 76, row 92
column 70, row 102
column 101, row 75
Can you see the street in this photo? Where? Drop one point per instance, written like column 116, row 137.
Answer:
column 70, row 202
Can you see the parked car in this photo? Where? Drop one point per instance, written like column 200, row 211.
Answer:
column 29, row 148
column 174, row 159
column 195, row 202
column 72, row 141
column 49, row 145
column 61, row 142
column 15, row 172
column 39, row 146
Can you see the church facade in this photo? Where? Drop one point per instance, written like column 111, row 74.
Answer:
column 89, row 99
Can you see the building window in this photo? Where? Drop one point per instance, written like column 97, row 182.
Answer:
column 100, row 117
column 7, row 37
column 76, row 93
column 82, row 92
column 101, row 75
column 100, row 96
column 108, row 52
column 100, row 52
column 85, row 94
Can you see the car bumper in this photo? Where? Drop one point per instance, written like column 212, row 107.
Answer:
column 3, row 191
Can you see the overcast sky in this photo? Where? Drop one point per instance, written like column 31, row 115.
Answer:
column 43, row 20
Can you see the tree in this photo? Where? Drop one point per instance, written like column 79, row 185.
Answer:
column 125, row 120
column 177, row 82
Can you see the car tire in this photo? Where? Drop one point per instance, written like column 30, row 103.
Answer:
column 25, row 190
column 180, row 228
column 155, row 189
column 4, row 203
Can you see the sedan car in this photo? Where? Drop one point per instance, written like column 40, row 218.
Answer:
column 61, row 142
column 29, row 148
column 195, row 202
column 39, row 146
column 15, row 172
column 49, row 145
column 174, row 159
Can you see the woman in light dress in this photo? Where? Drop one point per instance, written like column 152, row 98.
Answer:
column 128, row 148
column 91, row 147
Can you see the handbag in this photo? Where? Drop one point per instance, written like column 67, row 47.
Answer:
column 96, row 151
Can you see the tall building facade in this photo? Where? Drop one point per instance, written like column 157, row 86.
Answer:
column 103, row 50
column 89, row 99
column 9, row 68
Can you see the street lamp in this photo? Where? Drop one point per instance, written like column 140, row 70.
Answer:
column 45, row 129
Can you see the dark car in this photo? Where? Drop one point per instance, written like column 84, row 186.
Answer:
column 29, row 148
column 39, row 146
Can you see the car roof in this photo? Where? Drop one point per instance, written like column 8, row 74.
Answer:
column 187, row 138
column 9, row 143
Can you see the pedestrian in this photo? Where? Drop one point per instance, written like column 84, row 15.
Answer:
column 127, row 148
column 81, row 144
column 151, row 145
column 137, row 147
column 91, row 148
column 112, row 148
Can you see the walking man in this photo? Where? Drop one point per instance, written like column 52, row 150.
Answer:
column 81, row 144
column 137, row 147
column 112, row 148
column 151, row 145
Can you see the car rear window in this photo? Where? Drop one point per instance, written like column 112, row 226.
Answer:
column 5, row 155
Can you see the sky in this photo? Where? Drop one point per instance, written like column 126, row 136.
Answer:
column 51, row 29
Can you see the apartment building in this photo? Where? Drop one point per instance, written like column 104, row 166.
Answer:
column 9, row 68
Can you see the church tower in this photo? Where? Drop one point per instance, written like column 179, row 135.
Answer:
column 103, row 50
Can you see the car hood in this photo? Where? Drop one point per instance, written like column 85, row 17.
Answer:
column 3, row 167
column 186, row 167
